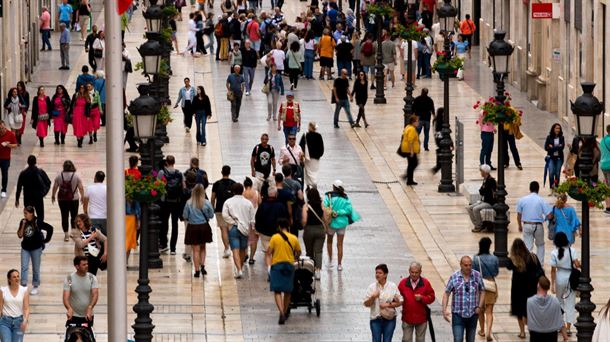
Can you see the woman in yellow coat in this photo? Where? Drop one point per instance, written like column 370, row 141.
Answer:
column 410, row 145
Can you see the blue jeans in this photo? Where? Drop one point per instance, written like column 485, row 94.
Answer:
column 347, row 65
column 46, row 41
column 237, row 240
column 425, row 125
column 421, row 67
column 249, row 78
column 200, row 121
column 382, row 329
column 308, row 66
column 460, row 324
column 554, row 171
column 487, row 146
column 427, row 57
column 288, row 131
column 10, row 329
column 4, row 165
column 342, row 104
column 35, row 255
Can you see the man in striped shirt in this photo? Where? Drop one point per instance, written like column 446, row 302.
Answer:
column 466, row 286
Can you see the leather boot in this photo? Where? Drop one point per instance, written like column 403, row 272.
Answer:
column 80, row 142
column 90, row 139
column 95, row 136
column 63, row 139
column 56, row 138
column 41, row 142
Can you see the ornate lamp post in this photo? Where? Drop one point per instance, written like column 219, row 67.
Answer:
column 153, row 16
column 446, row 15
column 409, row 99
column 379, row 81
column 500, row 51
column 586, row 108
column 151, row 56
column 144, row 109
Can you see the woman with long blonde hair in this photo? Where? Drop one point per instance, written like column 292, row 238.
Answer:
column 197, row 214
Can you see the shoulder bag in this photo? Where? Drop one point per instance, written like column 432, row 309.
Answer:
column 574, row 273
column 552, row 227
column 399, row 150
column 328, row 211
column 297, row 170
column 490, row 285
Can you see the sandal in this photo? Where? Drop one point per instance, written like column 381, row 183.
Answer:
column 521, row 336
column 490, row 339
column 481, row 333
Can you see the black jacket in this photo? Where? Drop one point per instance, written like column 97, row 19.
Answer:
column 249, row 58
column 314, row 143
column 30, row 181
column 555, row 152
column 203, row 104
column 488, row 190
column 423, row 106
column 267, row 214
column 35, row 111
column 361, row 91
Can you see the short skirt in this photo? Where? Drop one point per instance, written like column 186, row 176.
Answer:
column 198, row 234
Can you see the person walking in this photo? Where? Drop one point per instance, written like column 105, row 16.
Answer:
column 235, row 90
column 203, row 112
column 35, row 184
column 221, row 192
column 99, row 50
column 312, row 145
column 423, row 107
column 80, row 109
column 83, row 17
column 604, row 163
column 84, row 78
column 309, row 45
column 289, row 117
column 186, row 95
column 60, row 107
column 90, row 243
column 342, row 215
column 267, row 214
column 382, row 297
column 249, row 60
column 417, row 294
column 388, row 53
column 532, row 210
column 561, row 268
column 65, row 11
column 32, row 245
column 342, row 97
column 410, row 145
column 554, row 145
column 566, row 218
column 345, row 53
column 7, row 143
column 41, row 109
column 487, row 141
column 488, row 198
column 360, row 92
column 315, row 229
column 544, row 315
column 262, row 160
column 64, row 46
column 15, row 107
column 171, row 204
column 15, row 306
column 467, row 28
column 95, row 116
column 24, row 96
column 467, row 297
column 438, row 136
column 45, row 28
column 282, row 252
column 488, row 265
column 69, row 189
column 238, row 212
column 99, row 84
column 294, row 57
column 89, row 47
column 526, row 268
column 326, row 50
column 81, row 292
column 197, row 213
column 275, row 87
column 254, row 197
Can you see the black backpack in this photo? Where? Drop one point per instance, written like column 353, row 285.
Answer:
column 66, row 193
column 45, row 182
column 173, row 186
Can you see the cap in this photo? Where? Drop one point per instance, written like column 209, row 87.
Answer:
column 338, row 184
column 289, row 93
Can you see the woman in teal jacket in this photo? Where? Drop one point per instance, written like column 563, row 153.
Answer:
column 342, row 215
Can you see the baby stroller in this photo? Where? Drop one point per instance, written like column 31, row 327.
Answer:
column 77, row 328
column 304, row 291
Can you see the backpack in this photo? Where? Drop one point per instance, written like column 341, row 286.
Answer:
column 66, row 193
column 367, row 48
column 45, row 182
column 202, row 178
column 218, row 29
column 173, row 186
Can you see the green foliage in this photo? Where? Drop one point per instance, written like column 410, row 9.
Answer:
column 169, row 11
column 411, row 32
column 445, row 64
column 381, row 9
column 594, row 194
column 144, row 189
column 164, row 116
column 497, row 112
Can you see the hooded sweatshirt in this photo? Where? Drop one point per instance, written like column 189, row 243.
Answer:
column 544, row 314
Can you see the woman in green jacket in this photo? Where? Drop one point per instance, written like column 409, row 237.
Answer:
column 342, row 214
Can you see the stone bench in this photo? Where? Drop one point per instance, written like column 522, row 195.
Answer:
column 471, row 191
column 488, row 216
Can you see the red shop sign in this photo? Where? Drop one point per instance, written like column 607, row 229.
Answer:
column 542, row 10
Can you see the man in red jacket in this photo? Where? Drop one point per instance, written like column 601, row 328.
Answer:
column 417, row 294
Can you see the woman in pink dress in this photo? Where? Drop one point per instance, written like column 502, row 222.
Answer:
column 96, row 113
column 41, row 108
column 80, row 109
column 61, row 105
column 25, row 101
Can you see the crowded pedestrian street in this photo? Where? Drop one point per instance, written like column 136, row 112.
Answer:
column 397, row 219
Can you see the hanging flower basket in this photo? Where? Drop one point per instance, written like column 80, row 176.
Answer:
column 446, row 65
column 146, row 189
column 413, row 32
column 593, row 193
column 381, row 9
column 496, row 112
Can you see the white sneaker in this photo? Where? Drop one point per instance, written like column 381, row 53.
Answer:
column 247, row 93
column 34, row 291
column 238, row 274
column 330, row 265
column 227, row 253
column 339, row 268
column 164, row 250
column 317, row 275
column 66, row 237
column 3, row 195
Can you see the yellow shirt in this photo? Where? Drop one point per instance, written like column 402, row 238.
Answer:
column 410, row 140
column 281, row 250
column 327, row 46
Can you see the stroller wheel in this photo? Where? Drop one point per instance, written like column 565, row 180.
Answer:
column 317, row 305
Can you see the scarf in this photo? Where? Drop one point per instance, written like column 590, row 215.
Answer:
column 14, row 106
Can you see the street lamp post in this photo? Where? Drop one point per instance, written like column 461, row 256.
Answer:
column 446, row 15
column 144, row 110
column 586, row 108
column 379, row 82
column 409, row 99
column 500, row 51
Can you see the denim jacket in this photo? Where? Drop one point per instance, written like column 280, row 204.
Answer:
column 182, row 94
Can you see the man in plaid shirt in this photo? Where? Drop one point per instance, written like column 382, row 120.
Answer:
column 467, row 288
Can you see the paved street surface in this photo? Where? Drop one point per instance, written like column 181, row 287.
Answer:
column 400, row 223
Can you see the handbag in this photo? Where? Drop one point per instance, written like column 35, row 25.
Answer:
column 552, row 228
column 399, row 150
column 230, row 96
column 490, row 285
column 98, row 53
column 265, row 88
column 539, row 270
column 575, row 273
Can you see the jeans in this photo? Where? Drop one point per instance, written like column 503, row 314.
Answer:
column 4, row 165
column 200, row 121
column 308, row 67
column 289, row 131
column 210, row 45
column 427, row 57
column 35, row 255
column 187, row 110
column 555, row 171
column 235, row 107
column 509, row 141
column 487, row 146
column 68, row 209
column 169, row 209
column 425, row 125
column 345, row 105
column 347, row 65
column 421, row 67
column 460, row 324
column 46, row 38
column 10, row 329
column 249, row 77
column 100, row 223
column 382, row 329
column 534, row 233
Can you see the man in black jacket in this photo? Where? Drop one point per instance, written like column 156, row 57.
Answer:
column 35, row 184
column 89, row 47
column 488, row 198
column 423, row 107
column 249, row 58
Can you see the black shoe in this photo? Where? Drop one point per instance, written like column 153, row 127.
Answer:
column 519, row 167
column 282, row 320
column 287, row 314
column 411, row 183
column 426, row 149
column 492, row 168
column 90, row 140
column 203, row 271
column 506, row 166
column 95, row 137
column 196, row 275
column 336, row 126
column 373, row 87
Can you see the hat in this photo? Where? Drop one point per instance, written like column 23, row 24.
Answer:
column 289, row 93
column 338, row 184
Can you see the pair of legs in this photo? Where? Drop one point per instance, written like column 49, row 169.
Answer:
column 522, row 321
column 273, row 98
column 34, row 255
column 282, row 301
column 235, row 107
column 169, row 209
column 46, row 39
column 239, row 247
column 314, row 237
column 329, row 245
column 187, row 112
column 420, row 332
column 474, row 211
column 486, row 321
column 345, row 105
column 382, row 329
column 534, row 233
column 389, row 73
column 252, row 243
column 224, row 233
column 326, row 64
column 249, row 78
column 487, row 146
column 361, row 115
column 69, row 210
column 412, row 163
column 10, row 329
column 555, row 171
column 509, row 141
column 198, row 256
column 461, row 325
column 293, row 74
column 425, row 126
column 200, row 122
